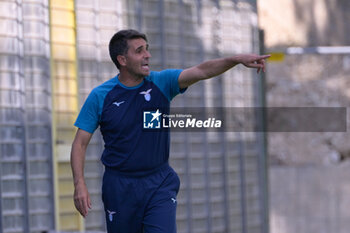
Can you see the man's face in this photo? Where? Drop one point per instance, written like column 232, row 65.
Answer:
column 137, row 57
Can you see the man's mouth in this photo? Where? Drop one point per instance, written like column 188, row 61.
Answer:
column 145, row 66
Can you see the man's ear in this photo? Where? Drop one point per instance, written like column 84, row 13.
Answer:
column 122, row 60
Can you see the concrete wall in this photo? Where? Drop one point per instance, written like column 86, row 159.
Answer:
column 305, row 22
column 309, row 172
column 308, row 199
column 309, row 81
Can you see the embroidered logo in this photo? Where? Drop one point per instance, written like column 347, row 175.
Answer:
column 173, row 199
column 146, row 94
column 110, row 215
column 118, row 104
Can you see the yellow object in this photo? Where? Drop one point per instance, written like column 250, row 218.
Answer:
column 276, row 57
column 64, row 80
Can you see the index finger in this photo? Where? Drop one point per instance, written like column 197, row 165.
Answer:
column 264, row 56
column 84, row 207
column 89, row 202
column 79, row 207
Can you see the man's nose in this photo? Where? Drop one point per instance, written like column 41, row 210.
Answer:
column 148, row 54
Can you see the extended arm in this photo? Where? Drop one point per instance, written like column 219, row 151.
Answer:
column 218, row 66
column 81, row 196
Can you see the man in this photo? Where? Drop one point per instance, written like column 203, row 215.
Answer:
column 139, row 187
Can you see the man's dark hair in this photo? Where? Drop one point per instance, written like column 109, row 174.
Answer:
column 118, row 45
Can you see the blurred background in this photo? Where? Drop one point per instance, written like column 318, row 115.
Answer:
column 308, row 172
column 53, row 52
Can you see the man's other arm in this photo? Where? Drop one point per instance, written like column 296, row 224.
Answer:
column 81, row 195
column 215, row 67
